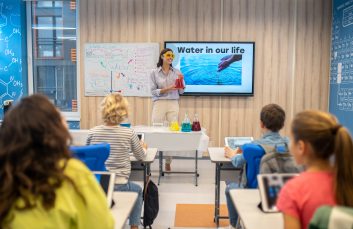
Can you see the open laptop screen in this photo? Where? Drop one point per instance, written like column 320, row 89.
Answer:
column 107, row 182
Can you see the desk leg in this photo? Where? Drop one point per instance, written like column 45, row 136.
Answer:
column 217, row 195
column 196, row 168
column 160, row 166
column 146, row 172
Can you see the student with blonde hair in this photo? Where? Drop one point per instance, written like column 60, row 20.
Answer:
column 122, row 140
column 41, row 185
column 316, row 137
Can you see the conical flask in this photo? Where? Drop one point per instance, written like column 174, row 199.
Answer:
column 196, row 124
column 186, row 125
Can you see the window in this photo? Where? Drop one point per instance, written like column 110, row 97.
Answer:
column 43, row 4
column 54, row 41
column 48, row 40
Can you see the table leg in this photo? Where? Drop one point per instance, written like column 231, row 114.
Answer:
column 160, row 166
column 217, row 196
column 196, row 174
column 215, row 193
column 146, row 170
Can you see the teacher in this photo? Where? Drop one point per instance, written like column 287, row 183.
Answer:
column 165, row 94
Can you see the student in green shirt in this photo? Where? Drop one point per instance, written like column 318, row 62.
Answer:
column 42, row 186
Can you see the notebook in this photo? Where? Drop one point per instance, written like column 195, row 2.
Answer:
column 107, row 181
column 269, row 187
column 235, row 142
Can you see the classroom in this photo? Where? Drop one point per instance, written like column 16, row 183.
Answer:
column 188, row 113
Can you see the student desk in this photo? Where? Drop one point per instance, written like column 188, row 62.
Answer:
column 222, row 164
column 246, row 201
column 144, row 165
column 124, row 202
column 176, row 141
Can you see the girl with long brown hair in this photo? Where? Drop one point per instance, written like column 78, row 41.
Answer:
column 316, row 138
column 42, row 186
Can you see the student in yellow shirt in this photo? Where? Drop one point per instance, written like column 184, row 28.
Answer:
column 42, row 186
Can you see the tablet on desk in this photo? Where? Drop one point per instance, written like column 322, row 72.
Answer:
column 141, row 136
column 269, row 187
column 107, row 182
column 235, row 142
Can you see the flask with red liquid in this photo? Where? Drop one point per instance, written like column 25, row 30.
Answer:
column 179, row 82
column 196, row 124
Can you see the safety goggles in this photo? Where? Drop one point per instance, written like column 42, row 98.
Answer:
column 169, row 55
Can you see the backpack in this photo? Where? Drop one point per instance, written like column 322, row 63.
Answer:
column 151, row 206
column 278, row 160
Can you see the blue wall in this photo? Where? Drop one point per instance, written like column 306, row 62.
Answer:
column 13, row 51
column 341, row 77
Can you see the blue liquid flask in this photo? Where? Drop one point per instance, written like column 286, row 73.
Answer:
column 186, row 125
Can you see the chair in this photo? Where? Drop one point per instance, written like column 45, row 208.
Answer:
column 252, row 154
column 94, row 156
column 279, row 162
column 327, row 217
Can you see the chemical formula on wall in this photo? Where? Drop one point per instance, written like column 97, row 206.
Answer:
column 11, row 81
column 341, row 73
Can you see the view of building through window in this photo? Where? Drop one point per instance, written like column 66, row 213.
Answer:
column 54, row 44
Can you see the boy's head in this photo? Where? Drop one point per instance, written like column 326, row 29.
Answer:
column 272, row 117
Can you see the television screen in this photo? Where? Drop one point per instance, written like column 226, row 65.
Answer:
column 215, row 68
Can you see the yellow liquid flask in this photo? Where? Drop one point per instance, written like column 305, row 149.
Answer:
column 174, row 126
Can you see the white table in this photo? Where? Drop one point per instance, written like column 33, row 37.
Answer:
column 166, row 140
column 222, row 164
column 246, row 201
column 124, row 202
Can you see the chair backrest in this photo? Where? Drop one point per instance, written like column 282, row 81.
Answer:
column 328, row 217
column 275, row 162
column 94, row 156
column 252, row 154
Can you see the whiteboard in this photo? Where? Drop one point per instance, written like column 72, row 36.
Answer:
column 119, row 67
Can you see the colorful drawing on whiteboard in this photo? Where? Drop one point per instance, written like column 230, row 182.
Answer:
column 124, row 67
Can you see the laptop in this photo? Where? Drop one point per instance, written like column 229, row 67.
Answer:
column 235, row 142
column 269, row 187
column 107, row 182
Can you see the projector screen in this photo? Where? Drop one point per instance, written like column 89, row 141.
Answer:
column 215, row 68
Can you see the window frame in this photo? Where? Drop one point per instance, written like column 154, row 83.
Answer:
column 55, row 43
column 70, row 116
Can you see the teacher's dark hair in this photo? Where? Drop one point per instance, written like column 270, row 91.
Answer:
column 33, row 155
column 160, row 60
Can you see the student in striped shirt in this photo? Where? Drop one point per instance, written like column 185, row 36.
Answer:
column 123, row 141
